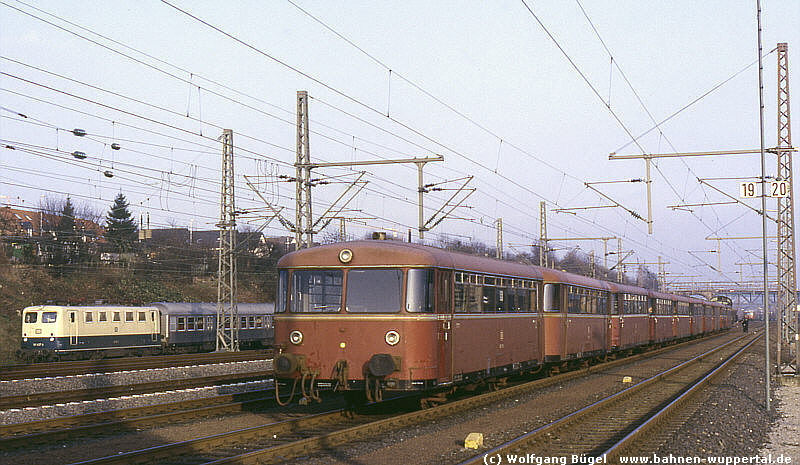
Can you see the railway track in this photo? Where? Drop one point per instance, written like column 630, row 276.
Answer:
column 80, row 367
column 285, row 439
column 44, row 398
column 610, row 427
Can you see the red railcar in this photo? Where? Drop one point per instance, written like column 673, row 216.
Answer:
column 383, row 315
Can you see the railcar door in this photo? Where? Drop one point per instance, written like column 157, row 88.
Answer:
column 444, row 313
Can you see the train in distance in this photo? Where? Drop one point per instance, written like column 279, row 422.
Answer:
column 53, row 332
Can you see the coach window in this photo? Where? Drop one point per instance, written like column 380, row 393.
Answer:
column 280, row 299
column 199, row 323
column 31, row 317
column 142, row 316
column 419, row 292
column 88, row 317
column 190, row 323
column 243, row 322
column 181, row 323
column 316, row 291
column 374, row 291
column 551, row 298
column 259, row 322
column 128, row 316
column 103, row 316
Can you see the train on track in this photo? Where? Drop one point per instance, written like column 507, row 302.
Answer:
column 378, row 316
column 68, row 332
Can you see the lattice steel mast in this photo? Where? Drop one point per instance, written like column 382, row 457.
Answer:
column 227, row 311
column 787, row 275
column 303, row 235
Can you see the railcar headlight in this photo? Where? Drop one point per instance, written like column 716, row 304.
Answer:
column 392, row 337
column 296, row 337
column 345, row 255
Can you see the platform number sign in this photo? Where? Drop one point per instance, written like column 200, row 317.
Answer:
column 753, row 189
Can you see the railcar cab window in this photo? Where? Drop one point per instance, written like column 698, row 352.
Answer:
column 419, row 292
column 316, row 291
column 31, row 317
column 374, row 291
column 283, row 286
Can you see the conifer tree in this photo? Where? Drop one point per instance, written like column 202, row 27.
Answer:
column 120, row 227
column 66, row 224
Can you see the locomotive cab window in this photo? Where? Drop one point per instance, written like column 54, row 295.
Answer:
column 49, row 317
column 374, row 291
column 31, row 317
column 419, row 292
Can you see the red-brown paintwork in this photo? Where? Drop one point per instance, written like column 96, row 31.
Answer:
column 441, row 346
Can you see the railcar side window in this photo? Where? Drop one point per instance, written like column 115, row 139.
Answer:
column 49, row 317
column 281, row 296
column 419, row 291
column 316, row 291
column 31, row 317
column 634, row 304
column 374, row 291
column 551, row 298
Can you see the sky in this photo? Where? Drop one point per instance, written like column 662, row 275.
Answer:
column 529, row 98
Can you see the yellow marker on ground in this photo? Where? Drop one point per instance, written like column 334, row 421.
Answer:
column 473, row 441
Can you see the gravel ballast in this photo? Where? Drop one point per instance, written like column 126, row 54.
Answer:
column 126, row 378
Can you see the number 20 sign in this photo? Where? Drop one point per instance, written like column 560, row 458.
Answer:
column 753, row 189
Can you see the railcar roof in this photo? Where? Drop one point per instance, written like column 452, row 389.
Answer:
column 375, row 253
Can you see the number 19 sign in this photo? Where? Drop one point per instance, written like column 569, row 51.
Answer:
column 753, row 189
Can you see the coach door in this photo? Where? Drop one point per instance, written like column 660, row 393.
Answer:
column 154, row 321
column 72, row 328
column 444, row 313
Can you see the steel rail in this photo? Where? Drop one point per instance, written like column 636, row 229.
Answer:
column 626, row 444
column 47, row 431
column 232, row 443
column 39, row 399
column 80, row 367
column 522, row 442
